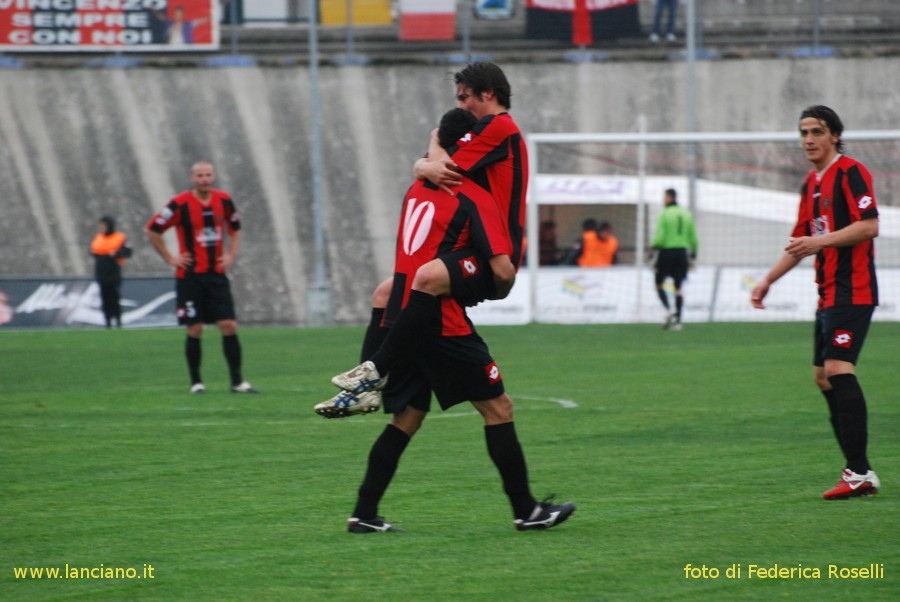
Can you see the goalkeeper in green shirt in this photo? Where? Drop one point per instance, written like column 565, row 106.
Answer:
column 675, row 242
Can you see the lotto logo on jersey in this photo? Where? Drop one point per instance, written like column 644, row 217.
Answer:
column 493, row 372
column 843, row 339
column 416, row 225
column 469, row 267
column 865, row 202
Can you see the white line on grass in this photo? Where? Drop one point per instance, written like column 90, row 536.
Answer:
column 566, row 403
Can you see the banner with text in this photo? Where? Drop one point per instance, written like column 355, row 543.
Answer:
column 61, row 302
column 624, row 294
column 114, row 25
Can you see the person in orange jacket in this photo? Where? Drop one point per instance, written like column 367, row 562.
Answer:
column 110, row 248
column 597, row 248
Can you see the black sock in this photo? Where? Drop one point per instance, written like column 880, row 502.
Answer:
column 193, row 353
column 679, row 303
column 383, row 460
column 833, row 417
column 411, row 327
column 375, row 334
column 663, row 296
column 852, row 420
column 506, row 452
column 232, row 348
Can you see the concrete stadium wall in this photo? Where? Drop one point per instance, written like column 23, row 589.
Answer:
column 80, row 143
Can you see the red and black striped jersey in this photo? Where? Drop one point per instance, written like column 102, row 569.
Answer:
column 200, row 226
column 495, row 156
column 434, row 223
column 841, row 196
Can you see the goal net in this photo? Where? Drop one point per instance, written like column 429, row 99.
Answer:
column 743, row 189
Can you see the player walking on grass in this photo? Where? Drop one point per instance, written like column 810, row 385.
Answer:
column 675, row 242
column 202, row 217
column 493, row 154
column 455, row 364
column 837, row 222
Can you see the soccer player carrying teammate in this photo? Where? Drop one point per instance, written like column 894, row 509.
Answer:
column 837, row 222
column 202, row 216
column 455, row 364
column 493, row 154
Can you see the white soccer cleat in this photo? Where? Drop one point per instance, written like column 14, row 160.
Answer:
column 198, row 388
column 346, row 403
column 363, row 378
column 244, row 387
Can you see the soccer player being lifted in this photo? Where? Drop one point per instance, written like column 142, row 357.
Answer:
column 493, row 155
column 455, row 364
column 837, row 222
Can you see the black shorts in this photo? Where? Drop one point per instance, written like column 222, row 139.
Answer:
column 455, row 369
column 471, row 277
column 203, row 298
column 672, row 263
column 840, row 333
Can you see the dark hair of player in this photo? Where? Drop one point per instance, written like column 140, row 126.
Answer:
column 455, row 124
column 829, row 118
column 485, row 77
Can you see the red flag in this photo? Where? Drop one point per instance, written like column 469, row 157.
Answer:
column 582, row 35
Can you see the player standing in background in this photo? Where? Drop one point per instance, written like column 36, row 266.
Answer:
column 837, row 222
column 676, row 244
column 455, row 363
column 202, row 217
column 110, row 248
column 494, row 155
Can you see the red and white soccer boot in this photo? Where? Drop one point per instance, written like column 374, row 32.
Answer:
column 853, row 485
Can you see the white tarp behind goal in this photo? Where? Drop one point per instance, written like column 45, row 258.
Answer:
column 742, row 225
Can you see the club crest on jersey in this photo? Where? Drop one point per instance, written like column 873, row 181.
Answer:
column 843, row 339
column 469, row 267
column 209, row 235
column 416, row 225
column 820, row 226
column 493, row 372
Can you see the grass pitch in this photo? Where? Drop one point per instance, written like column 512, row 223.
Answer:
column 709, row 447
